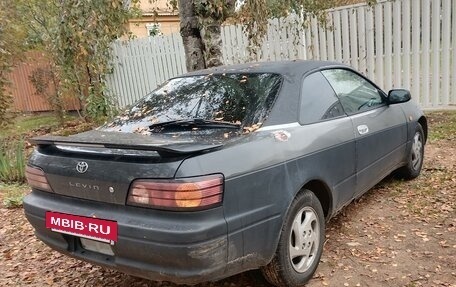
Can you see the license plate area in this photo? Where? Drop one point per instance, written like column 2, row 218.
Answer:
column 97, row 229
column 97, row 246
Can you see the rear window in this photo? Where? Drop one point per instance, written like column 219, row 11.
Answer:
column 245, row 99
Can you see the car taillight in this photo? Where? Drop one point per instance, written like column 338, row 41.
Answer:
column 37, row 179
column 185, row 193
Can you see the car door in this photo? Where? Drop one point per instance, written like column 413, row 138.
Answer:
column 380, row 129
column 330, row 130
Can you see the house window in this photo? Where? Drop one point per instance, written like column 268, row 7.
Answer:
column 153, row 29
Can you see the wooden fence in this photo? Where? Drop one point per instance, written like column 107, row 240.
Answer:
column 25, row 98
column 405, row 43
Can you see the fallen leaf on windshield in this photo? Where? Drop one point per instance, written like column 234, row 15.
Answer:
column 251, row 128
column 142, row 130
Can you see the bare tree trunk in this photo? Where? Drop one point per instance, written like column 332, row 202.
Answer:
column 212, row 41
column 190, row 32
column 210, row 17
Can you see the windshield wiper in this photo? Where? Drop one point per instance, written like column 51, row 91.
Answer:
column 195, row 122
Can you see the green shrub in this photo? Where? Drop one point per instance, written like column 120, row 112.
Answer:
column 12, row 162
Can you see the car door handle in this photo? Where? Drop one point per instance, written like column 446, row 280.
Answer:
column 363, row 129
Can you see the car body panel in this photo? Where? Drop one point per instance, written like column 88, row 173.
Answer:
column 413, row 114
column 283, row 170
column 382, row 148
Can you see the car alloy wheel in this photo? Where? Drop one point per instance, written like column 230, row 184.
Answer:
column 300, row 243
column 417, row 150
column 304, row 237
column 415, row 156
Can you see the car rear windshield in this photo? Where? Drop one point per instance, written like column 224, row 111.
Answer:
column 244, row 99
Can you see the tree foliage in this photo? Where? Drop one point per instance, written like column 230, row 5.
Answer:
column 78, row 36
column 87, row 29
column 12, row 36
column 254, row 15
column 44, row 81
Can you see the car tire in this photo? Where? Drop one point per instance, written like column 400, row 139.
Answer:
column 415, row 157
column 297, row 258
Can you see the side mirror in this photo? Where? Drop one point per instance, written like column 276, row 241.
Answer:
column 398, row 96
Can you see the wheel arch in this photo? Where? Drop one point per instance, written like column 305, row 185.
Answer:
column 279, row 271
column 423, row 122
column 322, row 192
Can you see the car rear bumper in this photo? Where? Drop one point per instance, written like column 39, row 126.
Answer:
column 159, row 245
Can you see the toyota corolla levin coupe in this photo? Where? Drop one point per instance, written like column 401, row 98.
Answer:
column 223, row 170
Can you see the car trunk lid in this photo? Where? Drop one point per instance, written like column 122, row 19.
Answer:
column 100, row 165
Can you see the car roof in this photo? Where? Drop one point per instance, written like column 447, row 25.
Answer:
column 294, row 67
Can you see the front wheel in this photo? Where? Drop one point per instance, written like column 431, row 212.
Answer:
column 300, row 244
column 415, row 157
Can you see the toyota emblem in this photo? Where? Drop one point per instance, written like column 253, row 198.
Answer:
column 82, row 167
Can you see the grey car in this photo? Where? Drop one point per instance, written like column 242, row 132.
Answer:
column 223, row 170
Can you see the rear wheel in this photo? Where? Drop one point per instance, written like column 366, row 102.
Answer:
column 300, row 244
column 415, row 157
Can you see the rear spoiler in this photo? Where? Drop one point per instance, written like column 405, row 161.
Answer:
column 129, row 142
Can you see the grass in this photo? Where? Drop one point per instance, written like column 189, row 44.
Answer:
column 13, row 194
column 442, row 125
column 13, row 156
column 12, row 173
column 26, row 123
column 12, row 162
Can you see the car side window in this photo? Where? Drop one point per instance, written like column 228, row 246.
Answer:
column 318, row 100
column 356, row 94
